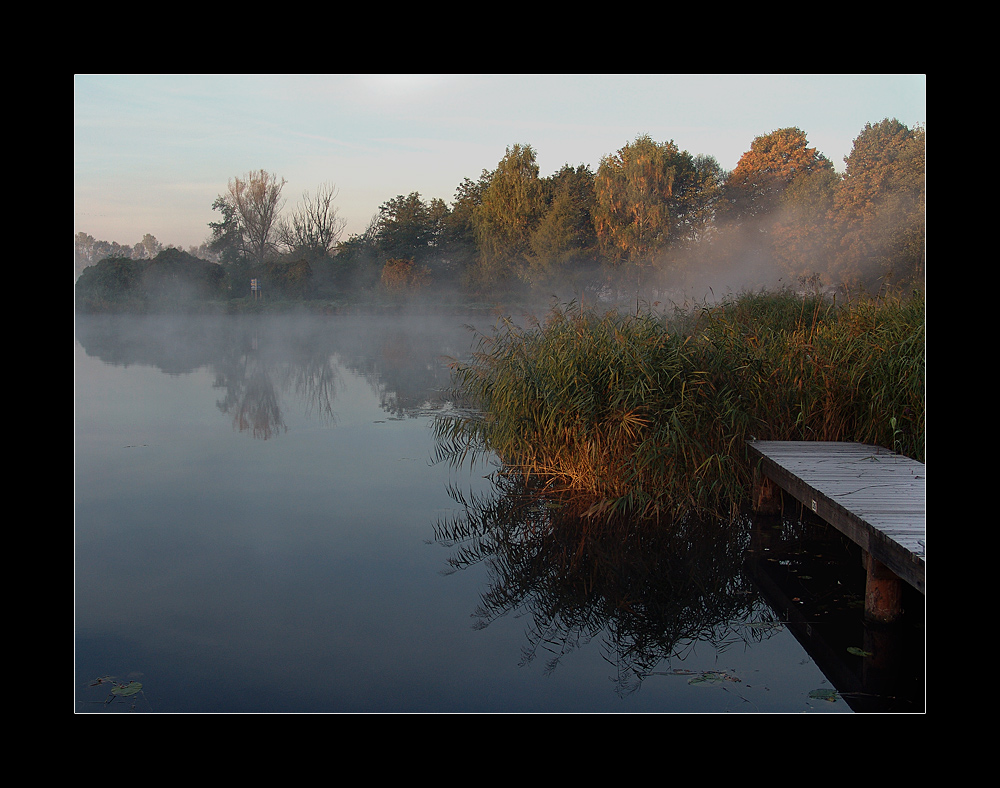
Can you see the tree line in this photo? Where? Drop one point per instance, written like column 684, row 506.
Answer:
column 652, row 216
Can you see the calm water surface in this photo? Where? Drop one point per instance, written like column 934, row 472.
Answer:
column 261, row 527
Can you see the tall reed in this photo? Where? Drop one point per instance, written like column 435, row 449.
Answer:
column 648, row 414
column 815, row 370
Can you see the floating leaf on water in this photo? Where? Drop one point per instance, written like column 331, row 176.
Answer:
column 823, row 694
column 858, row 652
column 127, row 689
column 712, row 677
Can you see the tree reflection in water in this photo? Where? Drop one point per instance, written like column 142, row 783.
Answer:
column 259, row 360
column 651, row 590
column 251, row 380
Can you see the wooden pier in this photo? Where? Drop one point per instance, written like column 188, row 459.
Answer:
column 869, row 493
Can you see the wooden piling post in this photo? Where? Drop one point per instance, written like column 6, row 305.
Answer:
column 883, row 592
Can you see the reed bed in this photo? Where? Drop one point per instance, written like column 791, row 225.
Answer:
column 648, row 414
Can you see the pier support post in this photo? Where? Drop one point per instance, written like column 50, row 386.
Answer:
column 883, row 592
column 766, row 494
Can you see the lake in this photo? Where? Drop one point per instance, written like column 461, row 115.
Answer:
column 261, row 526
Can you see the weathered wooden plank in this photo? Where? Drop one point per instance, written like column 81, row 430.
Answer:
column 869, row 493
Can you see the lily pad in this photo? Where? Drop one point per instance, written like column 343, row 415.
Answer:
column 858, row 652
column 127, row 689
column 823, row 694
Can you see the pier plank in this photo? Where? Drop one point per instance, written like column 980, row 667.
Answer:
column 873, row 495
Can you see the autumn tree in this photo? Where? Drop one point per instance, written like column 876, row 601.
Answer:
column 147, row 248
column 401, row 275
column 755, row 187
column 245, row 237
column 90, row 251
column 773, row 217
column 880, row 206
column 83, row 247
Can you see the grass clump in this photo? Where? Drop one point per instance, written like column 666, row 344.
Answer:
column 611, row 406
column 648, row 416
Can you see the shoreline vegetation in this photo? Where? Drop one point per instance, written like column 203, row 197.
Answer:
column 646, row 414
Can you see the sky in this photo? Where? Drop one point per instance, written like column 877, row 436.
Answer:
column 152, row 152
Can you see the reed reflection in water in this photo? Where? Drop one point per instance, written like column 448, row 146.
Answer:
column 650, row 593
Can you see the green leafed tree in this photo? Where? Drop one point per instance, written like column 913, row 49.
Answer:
column 225, row 244
column 405, row 228
column 457, row 242
column 564, row 243
column 505, row 218
column 695, row 199
column 803, row 235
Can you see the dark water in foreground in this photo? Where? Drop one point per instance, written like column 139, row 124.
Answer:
column 260, row 527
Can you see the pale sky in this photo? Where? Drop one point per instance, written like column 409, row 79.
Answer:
column 152, row 152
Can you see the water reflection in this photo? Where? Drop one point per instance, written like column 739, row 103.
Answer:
column 323, row 572
column 250, row 394
column 649, row 592
column 653, row 591
column 814, row 578
column 260, row 363
column 263, row 361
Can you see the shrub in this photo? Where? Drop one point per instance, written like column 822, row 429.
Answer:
column 402, row 275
